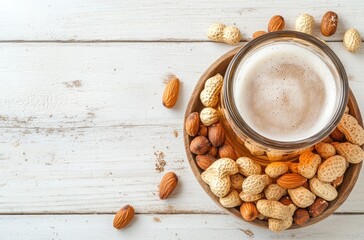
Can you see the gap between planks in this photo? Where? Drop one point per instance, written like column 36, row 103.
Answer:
column 127, row 41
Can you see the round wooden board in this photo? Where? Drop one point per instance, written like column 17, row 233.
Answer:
column 195, row 105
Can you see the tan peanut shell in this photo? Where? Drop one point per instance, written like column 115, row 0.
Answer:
column 221, row 33
column 217, row 176
column 274, row 192
column 274, row 155
column 325, row 150
column 210, row 94
column 351, row 152
column 253, row 149
column 274, row 209
column 305, row 23
column 255, row 184
column 248, row 167
column 322, row 189
column 209, row 116
column 332, row 168
column 276, row 169
column 231, row 200
column 352, row 40
column 301, row 197
column 236, row 181
column 247, row 197
column 293, row 167
column 278, row 225
column 353, row 132
column 308, row 164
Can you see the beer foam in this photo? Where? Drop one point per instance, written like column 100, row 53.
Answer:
column 285, row 92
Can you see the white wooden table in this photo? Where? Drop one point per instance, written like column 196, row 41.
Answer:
column 81, row 117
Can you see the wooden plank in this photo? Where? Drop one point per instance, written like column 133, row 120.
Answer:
column 80, row 137
column 201, row 226
column 96, row 170
column 157, row 20
column 86, row 85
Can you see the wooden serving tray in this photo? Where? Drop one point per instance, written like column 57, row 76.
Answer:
column 195, row 105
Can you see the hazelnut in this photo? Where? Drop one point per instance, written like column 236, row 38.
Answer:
column 227, row 151
column 212, row 151
column 199, row 145
column 286, row 200
column 217, row 135
column 202, row 131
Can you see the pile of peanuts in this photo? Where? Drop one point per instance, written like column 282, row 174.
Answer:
column 282, row 192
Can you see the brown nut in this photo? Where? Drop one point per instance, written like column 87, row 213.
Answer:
column 337, row 136
column 170, row 94
column 338, row 181
column 193, row 124
column 249, row 211
column 167, row 185
column 286, row 200
column 202, row 130
column 276, row 23
column 301, row 216
column 291, row 180
column 329, row 23
column 227, row 151
column 199, row 145
column 212, row 151
column 258, row 34
column 217, row 135
column 318, row 207
column 123, row 217
column 204, row 161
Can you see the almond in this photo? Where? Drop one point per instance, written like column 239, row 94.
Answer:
column 301, row 216
column 258, row 34
column 170, row 94
column 249, row 211
column 338, row 181
column 217, row 135
column 193, row 124
column 318, row 207
column 276, row 23
column 123, row 217
column 167, row 185
column 200, row 145
column 227, row 151
column 291, row 180
column 204, row 161
column 329, row 23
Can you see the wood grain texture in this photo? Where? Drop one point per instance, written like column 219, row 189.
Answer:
column 166, row 227
column 80, row 121
column 161, row 20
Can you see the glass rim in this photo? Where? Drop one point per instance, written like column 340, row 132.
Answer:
column 247, row 131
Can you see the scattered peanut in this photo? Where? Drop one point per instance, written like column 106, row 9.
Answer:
column 305, row 23
column 255, row 184
column 322, row 189
column 247, row 197
column 352, row 40
column 220, row 33
column 274, row 209
column 332, row 168
column 308, row 164
column 210, row 94
column 276, row 169
column 236, row 181
column 301, row 197
column 353, row 153
column 231, row 200
column 274, row 192
column 209, row 116
column 325, row 150
column 248, row 167
column 353, row 132
column 278, row 225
